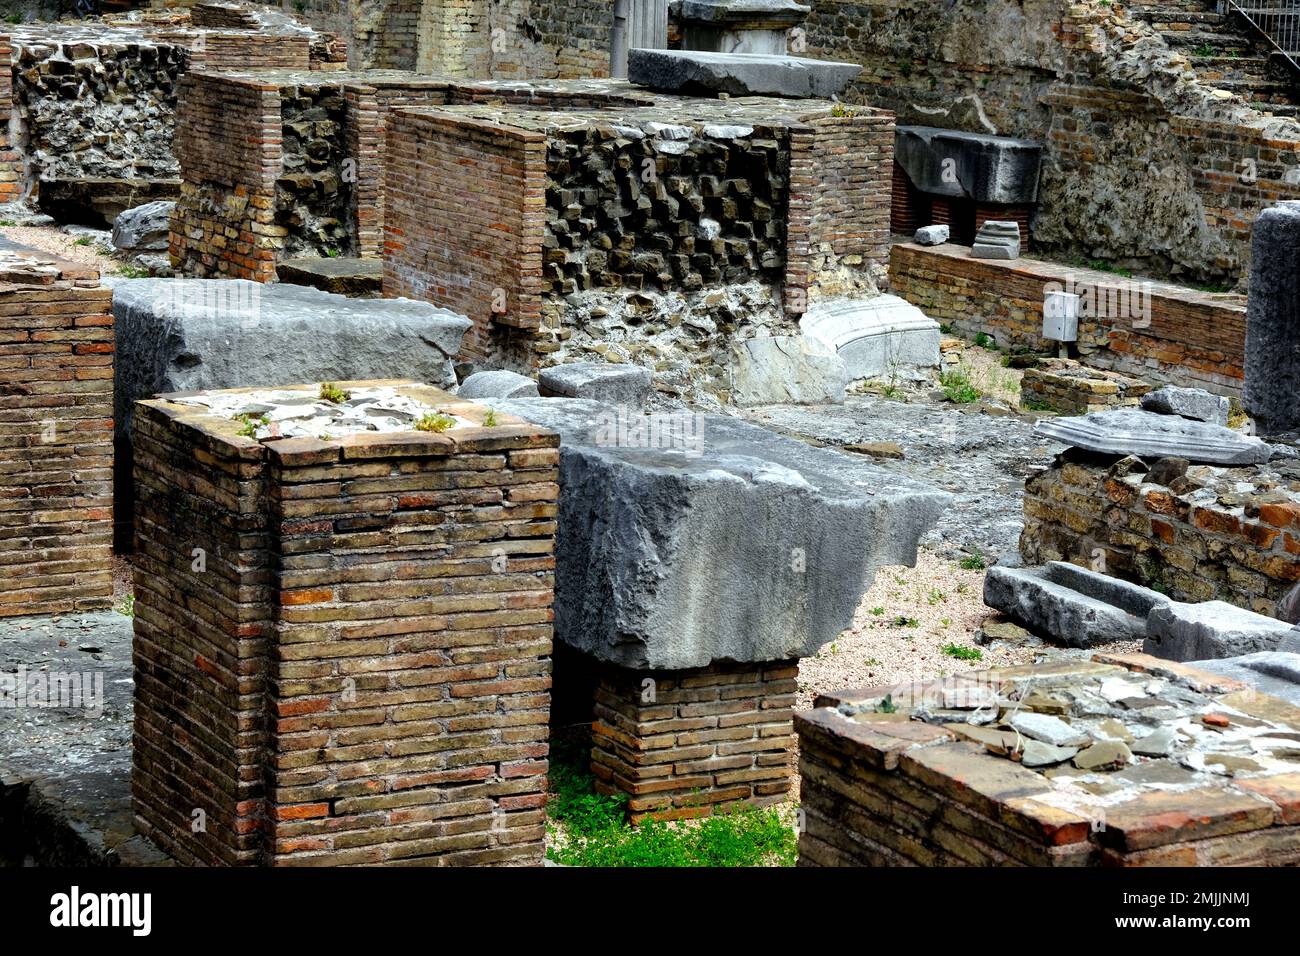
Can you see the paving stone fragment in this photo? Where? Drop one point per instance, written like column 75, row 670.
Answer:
column 1194, row 403
column 1049, row 729
column 1158, row 743
column 1104, row 755
column 1038, row 754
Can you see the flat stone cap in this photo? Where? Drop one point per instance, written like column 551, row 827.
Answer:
column 738, row 74
column 987, row 168
column 723, row 12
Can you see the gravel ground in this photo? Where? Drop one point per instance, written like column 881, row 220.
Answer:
column 52, row 240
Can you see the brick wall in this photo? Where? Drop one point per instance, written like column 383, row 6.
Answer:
column 840, row 178
column 12, row 176
column 481, row 259
column 360, row 674
column 229, row 143
column 1071, row 388
column 685, row 744
column 227, row 52
column 56, row 432
column 1234, row 546
column 1185, row 338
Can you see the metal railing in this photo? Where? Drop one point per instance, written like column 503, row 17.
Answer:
column 1278, row 21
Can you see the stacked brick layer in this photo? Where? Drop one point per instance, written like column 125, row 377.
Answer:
column 56, row 433
column 365, row 659
column 886, row 790
column 685, row 744
column 1238, row 546
column 1065, row 386
column 1156, row 331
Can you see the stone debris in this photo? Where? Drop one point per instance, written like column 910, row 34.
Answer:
column 1049, row 730
column 786, row 369
column 1270, row 672
column 143, row 228
column 997, row 239
column 615, row 383
column 932, row 235
column 1103, row 755
column 1135, row 431
column 1193, row 403
column 497, row 383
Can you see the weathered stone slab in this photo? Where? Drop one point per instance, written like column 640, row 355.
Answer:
column 1071, row 604
column 700, row 538
column 497, row 383
column 1214, row 629
column 876, row 337
column 1193, row 403
column 739, row 26
column 739, row 74
column 1276, row 673
column 343, row 275
column 1272, row 368
column 786, row 369
column 945, row 162
column 1135, row 431
column 616, row 383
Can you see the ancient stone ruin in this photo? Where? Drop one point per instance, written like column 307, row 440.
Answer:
column 588, row 433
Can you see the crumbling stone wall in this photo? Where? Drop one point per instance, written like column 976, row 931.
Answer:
column 1199, row 538
column 1143, row 166
column 1150, row 330
column 91, row 108
column 1071, row 388
column 56, row 403
column 313, row 191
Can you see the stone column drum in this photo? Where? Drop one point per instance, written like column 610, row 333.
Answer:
column 343, row 638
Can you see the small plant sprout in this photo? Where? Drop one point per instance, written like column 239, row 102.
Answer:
column 490, row 418
column 963, row 653
column 250, row 424
column 936, row 597
column 973, row 561
column 434, row 422
column 904, row 621
column 877, row 611
column 887, row 705
column 329, row 392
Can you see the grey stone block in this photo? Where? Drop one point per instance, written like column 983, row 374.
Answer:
column 144, row 228
column 997, row 239
column 613, row 382
column 1271, row 389
column 1071, row 604
column 176, row 335
column 1212, row 629
column 877, row 337
column 786, row 369
column 933, row 235
column 1276, row 673
column 739, row 545
column 739, row 74
column 1194, row 403
column 1135, row 431
column 497, row 383
column 945, row 162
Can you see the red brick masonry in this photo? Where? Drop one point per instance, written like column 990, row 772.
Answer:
column 358, row 670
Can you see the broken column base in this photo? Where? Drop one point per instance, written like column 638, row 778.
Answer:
column 689, row 743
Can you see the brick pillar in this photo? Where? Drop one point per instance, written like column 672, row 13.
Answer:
column 56, row 435
column 904, row 211
column 685, row 743
column 359, row 670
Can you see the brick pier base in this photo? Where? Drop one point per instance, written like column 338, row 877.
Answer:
column 685, row 743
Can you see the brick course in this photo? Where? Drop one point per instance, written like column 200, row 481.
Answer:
column 685, row 744
column 361, row 672
column 56, row 433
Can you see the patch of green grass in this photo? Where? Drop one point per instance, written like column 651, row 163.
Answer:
column 8, row 222
column 887, row 705
column 251, row 423
column 936, row 597
column 986, row 341
column 596, row 834
column 963, row 653
column 1203, row 50
column 490, row 418
column 132, row 272
column 126, row 606
column 904, row 621
column 329, row 392
column 1033, row 405
column 945, row 622
column 957, row 387
column 877, row 611
column 973, row 561
column 81, row 241
column 434, row 422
